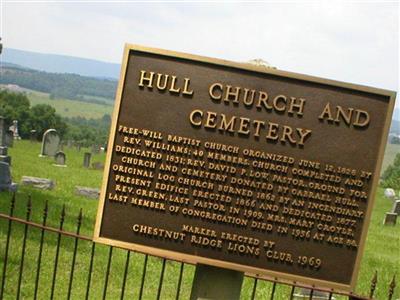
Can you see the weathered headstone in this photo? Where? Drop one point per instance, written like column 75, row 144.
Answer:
column 3, row 150
column 389, row 193
column 2, row 132
column 14, row 129
column 4, row 157
column 6, row 183
column 33, row 135
column 69, row 143
column 88, row 192
column 98, row 165
column 9, row 138
column 39, row 183
column 50, row 143
column 60, row 159
column 78, row 147
column 86, row 159
column 396, row 207
column 390, row 219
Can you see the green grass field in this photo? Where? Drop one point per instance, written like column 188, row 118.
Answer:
column 71, row 108
column 381, row 251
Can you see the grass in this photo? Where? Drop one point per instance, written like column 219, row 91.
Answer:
column 381, row 251
column 70, row 108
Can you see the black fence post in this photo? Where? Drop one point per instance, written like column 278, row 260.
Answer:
column 90, row 270
column 3, row 279
column 21, row 265
column 374, row 281
column 178, row 289
column 392, row 286
column 53, row 284
column 39, row 261
column 78, row 228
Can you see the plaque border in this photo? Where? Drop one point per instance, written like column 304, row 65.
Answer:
column 251, row 271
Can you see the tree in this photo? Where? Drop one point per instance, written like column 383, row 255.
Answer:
column 391, row 176
column 43, row 117
column 16, row 106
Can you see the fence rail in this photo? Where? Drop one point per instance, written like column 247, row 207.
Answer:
column 86, row 283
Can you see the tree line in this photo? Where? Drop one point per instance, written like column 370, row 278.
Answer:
column 40, row 117
column 70, row 86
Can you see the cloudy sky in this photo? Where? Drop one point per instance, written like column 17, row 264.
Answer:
column 349, row 41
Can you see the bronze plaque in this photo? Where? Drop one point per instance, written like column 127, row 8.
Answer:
column 242, row 167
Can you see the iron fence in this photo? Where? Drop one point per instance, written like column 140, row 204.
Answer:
column 30, row 283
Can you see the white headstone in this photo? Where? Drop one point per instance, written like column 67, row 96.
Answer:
column 390, row 193
column 50, row 143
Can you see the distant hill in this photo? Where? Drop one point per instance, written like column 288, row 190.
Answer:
column 61, row 63
column 70, row 86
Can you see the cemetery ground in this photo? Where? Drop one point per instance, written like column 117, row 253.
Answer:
column 381, row 250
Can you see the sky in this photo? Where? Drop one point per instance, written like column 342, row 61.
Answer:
column 349, row 41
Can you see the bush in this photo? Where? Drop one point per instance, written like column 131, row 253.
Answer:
column 16, row 106
column 391, row 176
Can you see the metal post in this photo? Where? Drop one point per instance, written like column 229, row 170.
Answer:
column 214, row 283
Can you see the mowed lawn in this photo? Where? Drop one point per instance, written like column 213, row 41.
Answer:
column 381, row 251
column 70, row 108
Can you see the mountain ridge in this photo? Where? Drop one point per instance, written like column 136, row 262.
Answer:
column 56, row 63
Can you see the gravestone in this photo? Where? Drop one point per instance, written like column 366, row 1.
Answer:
column 78, row 147
column 390, row 193
column 4, row 157
column 33, row 135
column 50, row 143
column 14, row 129
column 2, row 132
column 37, row 182
column 60, row 159
column 98, row 165
column 9, row 138
column 6, row 183
column 396, row 207
column 390, row 219
column 88, row 192
column 3, row 150
column 86, row 159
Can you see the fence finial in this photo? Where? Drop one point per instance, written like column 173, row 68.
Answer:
column 80, row 217
column 392, row 286
column 29, row 207
column 62, row 217
column 45, row 211
column 12, row 204
column 373, row 284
